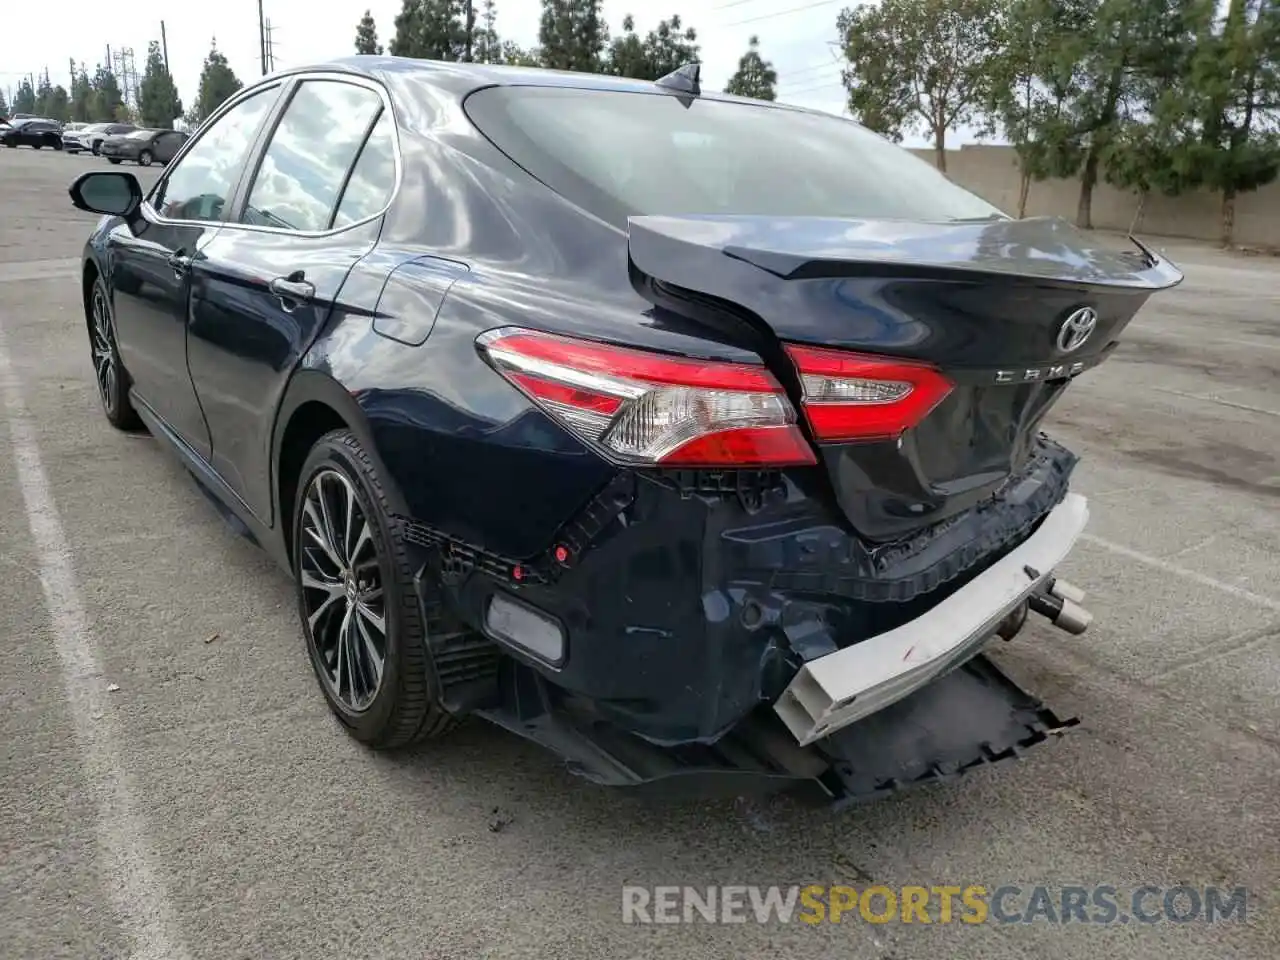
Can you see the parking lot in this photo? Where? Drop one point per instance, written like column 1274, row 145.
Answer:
column 172, row 786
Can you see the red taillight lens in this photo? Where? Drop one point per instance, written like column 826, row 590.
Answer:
column 650, row 408
column 852, row 396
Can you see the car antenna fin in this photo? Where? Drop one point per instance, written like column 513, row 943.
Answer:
column 685, row 80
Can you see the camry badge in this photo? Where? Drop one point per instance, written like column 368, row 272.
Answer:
column 1076, row 329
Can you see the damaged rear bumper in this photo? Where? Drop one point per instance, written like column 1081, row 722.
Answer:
column 831, row 692
column 972, row 717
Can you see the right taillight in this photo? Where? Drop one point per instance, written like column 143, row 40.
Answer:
column 642, row 407
column 854, row 396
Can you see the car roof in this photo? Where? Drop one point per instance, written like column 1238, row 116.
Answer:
column 461, row 78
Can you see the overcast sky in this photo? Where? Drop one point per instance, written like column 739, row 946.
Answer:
column 796, row 35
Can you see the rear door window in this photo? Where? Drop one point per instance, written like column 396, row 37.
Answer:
column 305, row 165
column 620, row 154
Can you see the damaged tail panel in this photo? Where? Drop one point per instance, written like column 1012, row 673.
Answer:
column 924, row 356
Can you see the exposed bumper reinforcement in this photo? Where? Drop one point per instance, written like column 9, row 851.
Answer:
column 841, row 688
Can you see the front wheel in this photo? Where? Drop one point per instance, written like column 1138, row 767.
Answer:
column 96, row 149
column 109, row 372
column 365, row 632
column 144, row 158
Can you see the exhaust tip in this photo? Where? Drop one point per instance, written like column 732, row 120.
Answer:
column 1062, row 613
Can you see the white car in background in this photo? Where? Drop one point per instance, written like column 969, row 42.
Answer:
column 73, row 134
column 90, row 137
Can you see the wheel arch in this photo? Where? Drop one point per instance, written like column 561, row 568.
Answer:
column 316, row 404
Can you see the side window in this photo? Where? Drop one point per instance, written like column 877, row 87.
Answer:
column 310, row 153
column 373, row 178
column 201, row 185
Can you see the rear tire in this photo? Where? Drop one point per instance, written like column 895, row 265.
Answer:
column 108, row 371
column 144, row 158
column 357, row 601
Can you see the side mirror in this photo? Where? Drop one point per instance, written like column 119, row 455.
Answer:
column 107, row 191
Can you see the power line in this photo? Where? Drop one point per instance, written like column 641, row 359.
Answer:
column 781, row 13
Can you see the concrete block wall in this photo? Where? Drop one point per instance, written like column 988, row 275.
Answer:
column 992, row 173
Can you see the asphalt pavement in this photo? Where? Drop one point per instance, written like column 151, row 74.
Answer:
column 172, row 786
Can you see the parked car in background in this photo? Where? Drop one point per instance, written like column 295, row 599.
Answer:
column 92, row 140
column 144, row 147
column 35, row 132
column 74, row 140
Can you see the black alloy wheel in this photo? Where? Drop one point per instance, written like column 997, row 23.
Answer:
column 109, row 373
column 365, row 631
column 342, row 594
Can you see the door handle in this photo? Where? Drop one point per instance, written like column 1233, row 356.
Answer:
column 180, row 262
column 292, row 290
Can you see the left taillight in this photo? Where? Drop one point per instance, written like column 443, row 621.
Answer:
column 642, row 407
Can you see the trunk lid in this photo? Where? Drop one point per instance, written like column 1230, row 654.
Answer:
column 1010, row 311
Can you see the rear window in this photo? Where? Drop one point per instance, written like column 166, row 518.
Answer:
column 620, row 154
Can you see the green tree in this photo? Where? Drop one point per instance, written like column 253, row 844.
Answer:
column 668, row 47
column 1154, row 148
column 158, row 101
column 1112, row 50
column 573, row 35
column 107, row 101
column 514, row 55
column 488, row 45
column 81, row 93
column 919, row 65
column 1236, row 76
column 52, row 101
column 4, row 105
column 430, row 30
column 24, row 101
column 218, row 83
column 755, row 76
column 1030, row 90
column 367, row 35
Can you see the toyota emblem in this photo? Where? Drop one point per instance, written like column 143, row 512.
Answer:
column 1076, row 329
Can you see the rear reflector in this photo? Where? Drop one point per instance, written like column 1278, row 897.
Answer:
column 526, row 627
column 641, row 407
column 852, row 396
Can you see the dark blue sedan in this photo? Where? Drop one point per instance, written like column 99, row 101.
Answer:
column 678, row 432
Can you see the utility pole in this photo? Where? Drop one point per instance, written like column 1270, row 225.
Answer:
column 164, row 46
column 262, row 38
column 271, row 47
column 109, row 68
column 471, row 28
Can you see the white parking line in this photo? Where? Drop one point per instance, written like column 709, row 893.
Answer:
column 1240, row 593
column 136, row 884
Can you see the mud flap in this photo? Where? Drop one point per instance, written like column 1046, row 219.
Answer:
column 972, row 716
